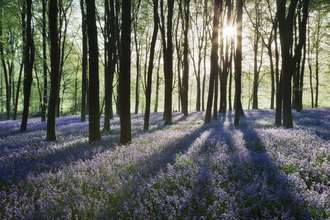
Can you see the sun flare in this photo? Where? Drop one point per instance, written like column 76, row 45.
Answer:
column 229, row 31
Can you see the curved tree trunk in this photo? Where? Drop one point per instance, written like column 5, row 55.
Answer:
column 151, row 61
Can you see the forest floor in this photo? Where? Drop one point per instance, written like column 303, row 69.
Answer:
column 184, row 171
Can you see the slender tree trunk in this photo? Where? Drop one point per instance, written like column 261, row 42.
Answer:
column 109, row 61
column 150, row 67
column 289, row 63
column 168, row 58
column 317, row 79
column 300, row 107
column 125, row 116
column 204, row 80
column 44, row 55
column 94, row 119
column 238, row 63
column 255, row 49
column 286, row 35
column 29, row 59
column 4, row 66
column 231, row 75
column 54, row 56
column 185, row 75
column 137, row 82
column 310, row 69
column 214, row 59
column 84, row 63
column 270, row 54
column 157, row 83
column 75, row 91
column 23, row 61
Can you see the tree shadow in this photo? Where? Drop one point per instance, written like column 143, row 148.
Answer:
column 16, row 169
column 277, row 188
column 144, row 173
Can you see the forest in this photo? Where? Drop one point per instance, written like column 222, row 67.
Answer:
column 153, row 109
column 182, row 58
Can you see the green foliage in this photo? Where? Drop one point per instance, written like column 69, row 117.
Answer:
column 70, row 94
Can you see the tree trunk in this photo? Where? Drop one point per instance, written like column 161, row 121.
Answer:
column 185, row 75
column 84, row 63
column 150, row 67
column 125, row 74
column 54, row 56
column 286, row 35
column 289, row 63
column 157, row 83
column 231, row 75
column 238, row 63
column 317, row 79
column 110, row 60
column 44, row 56
column 310, row 69
column 94, row 119
column 29, row 59
column 137, row 49
column 7, row 82
column 168, row 59
column 214, row 59
column 255, row 50
column 301, row 83
column 270, row 54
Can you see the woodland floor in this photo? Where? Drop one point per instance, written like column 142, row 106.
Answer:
column 184, row 171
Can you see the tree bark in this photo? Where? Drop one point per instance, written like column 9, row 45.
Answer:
column 289, row 62
column 29, row 59
column 137, row 82
column 125, row 74
column 286, row 35
column 185, row 75
column 168, row 58
column 150, row 67
column 214, row 59
column 7, row 82
column 54, row 56
column 110, row 60
column 94, row 119
column 238, row 63
column 84, row 63
column 44, row 56
column 157, row 83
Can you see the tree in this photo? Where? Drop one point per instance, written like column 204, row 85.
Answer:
column 185, row 75
column 290, row 59
column 225, row 61
column 65, row 9
column 238, row 63
column 110, row 60
column 125, row 74
column 94, row 118
column 44, row 56
column 29, row 59
column 84, row 62
column 54, row 58
column 151, row 60
column 23, row 17
column 168, row 58
column 214, row 58
column 7, row 81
